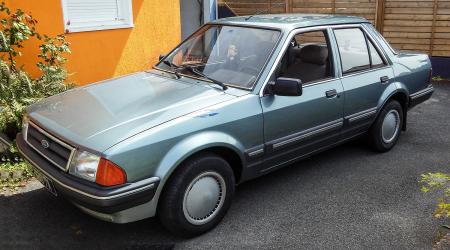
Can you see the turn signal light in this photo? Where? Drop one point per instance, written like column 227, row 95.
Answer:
column 109, row 174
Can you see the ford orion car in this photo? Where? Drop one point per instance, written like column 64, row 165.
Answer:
column 239, row 98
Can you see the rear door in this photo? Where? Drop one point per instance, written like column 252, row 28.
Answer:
column 365, row 75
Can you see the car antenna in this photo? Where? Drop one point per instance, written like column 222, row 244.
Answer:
column 262, row 11
column 257, row 13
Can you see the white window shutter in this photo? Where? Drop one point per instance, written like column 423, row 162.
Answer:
column 88, row 15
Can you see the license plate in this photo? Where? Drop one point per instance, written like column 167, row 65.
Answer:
column 48, row 184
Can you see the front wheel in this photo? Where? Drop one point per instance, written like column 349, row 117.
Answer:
column 385, row 131
column 197, row 196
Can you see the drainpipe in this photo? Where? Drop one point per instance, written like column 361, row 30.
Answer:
column 209, row 10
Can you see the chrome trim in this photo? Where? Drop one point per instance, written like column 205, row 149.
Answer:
column 377, row 44
column 72, row 149
column 283, row 49
column 323, row 27
column 365, row 31
column 422, row 92
column 310, row 153
column 325, row 80
column 305, row 134
column 152, row 179
column 256, row 152
column 364, row 71
column 378, row 34
column 361, row 115
column 242, row 25
column 367, row 34
column 374, row 41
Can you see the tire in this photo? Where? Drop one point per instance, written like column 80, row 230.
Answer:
column 384, row 133
column 197, row 195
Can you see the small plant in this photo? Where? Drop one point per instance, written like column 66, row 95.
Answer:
column 17, row 89
column 438, row 183
column 438, row 78
column 13, row 172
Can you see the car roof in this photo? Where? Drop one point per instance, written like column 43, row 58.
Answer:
column 290, row 20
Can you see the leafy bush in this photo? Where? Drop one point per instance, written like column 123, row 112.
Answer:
column 438, row 183
column 13, row 171
column 17, row 88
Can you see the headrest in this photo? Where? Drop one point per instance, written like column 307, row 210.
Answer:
column 313, row 53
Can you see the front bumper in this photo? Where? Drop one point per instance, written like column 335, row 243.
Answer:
column 104, row 200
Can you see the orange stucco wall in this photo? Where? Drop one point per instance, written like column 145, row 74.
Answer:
column 98, row 55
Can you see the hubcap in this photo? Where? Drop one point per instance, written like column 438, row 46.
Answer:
column 204, row 197
column 391, row 126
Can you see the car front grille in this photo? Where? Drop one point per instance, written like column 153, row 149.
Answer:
column 51, row 148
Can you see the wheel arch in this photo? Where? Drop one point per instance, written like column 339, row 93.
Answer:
column 213, row 142
column 400, row 94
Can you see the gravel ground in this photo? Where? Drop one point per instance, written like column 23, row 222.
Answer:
column 345, row 198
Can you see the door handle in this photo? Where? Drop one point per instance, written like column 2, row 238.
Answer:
column 331, row 93
column 384, row 79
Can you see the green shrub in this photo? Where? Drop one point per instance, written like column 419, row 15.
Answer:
column 13, row 171
column 17, row 88
column 438, row 183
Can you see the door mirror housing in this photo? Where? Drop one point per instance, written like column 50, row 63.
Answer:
column 284, row 86
column 161, row 57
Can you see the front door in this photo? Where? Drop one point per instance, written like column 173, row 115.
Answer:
column 296, row 126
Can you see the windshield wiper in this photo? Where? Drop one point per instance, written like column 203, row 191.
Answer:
column 174, row 67
column 197, row 72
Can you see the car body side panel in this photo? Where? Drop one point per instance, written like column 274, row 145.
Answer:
column 294, row 125
column 413, row 70
column 158, row 151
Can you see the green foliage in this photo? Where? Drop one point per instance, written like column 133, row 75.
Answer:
column 17, row 88
column 16, row 28
column 13, row 171
column 438, row 78
column 438, row 183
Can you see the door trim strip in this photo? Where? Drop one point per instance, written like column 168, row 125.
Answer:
column 361, row 115
column 255, row 151
column 302, row 135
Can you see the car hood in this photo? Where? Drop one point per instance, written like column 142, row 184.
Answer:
column 100, row 115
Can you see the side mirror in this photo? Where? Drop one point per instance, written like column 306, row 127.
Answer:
column 287, row 87
column 161, row 57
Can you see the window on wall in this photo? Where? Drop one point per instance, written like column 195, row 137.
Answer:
column 89, row 15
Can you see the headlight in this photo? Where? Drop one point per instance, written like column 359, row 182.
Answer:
column 84, row 165
column 25, row 121
column 93, row 168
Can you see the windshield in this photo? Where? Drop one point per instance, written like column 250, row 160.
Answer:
column 230, row 55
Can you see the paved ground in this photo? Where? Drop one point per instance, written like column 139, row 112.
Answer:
column 348, row 197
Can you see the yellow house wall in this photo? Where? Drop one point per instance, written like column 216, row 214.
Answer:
column 98, row 55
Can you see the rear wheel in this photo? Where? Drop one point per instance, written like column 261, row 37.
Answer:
column 386, row 129
column 197, row 196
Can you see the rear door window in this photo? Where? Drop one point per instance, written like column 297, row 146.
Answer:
column 353, row 49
